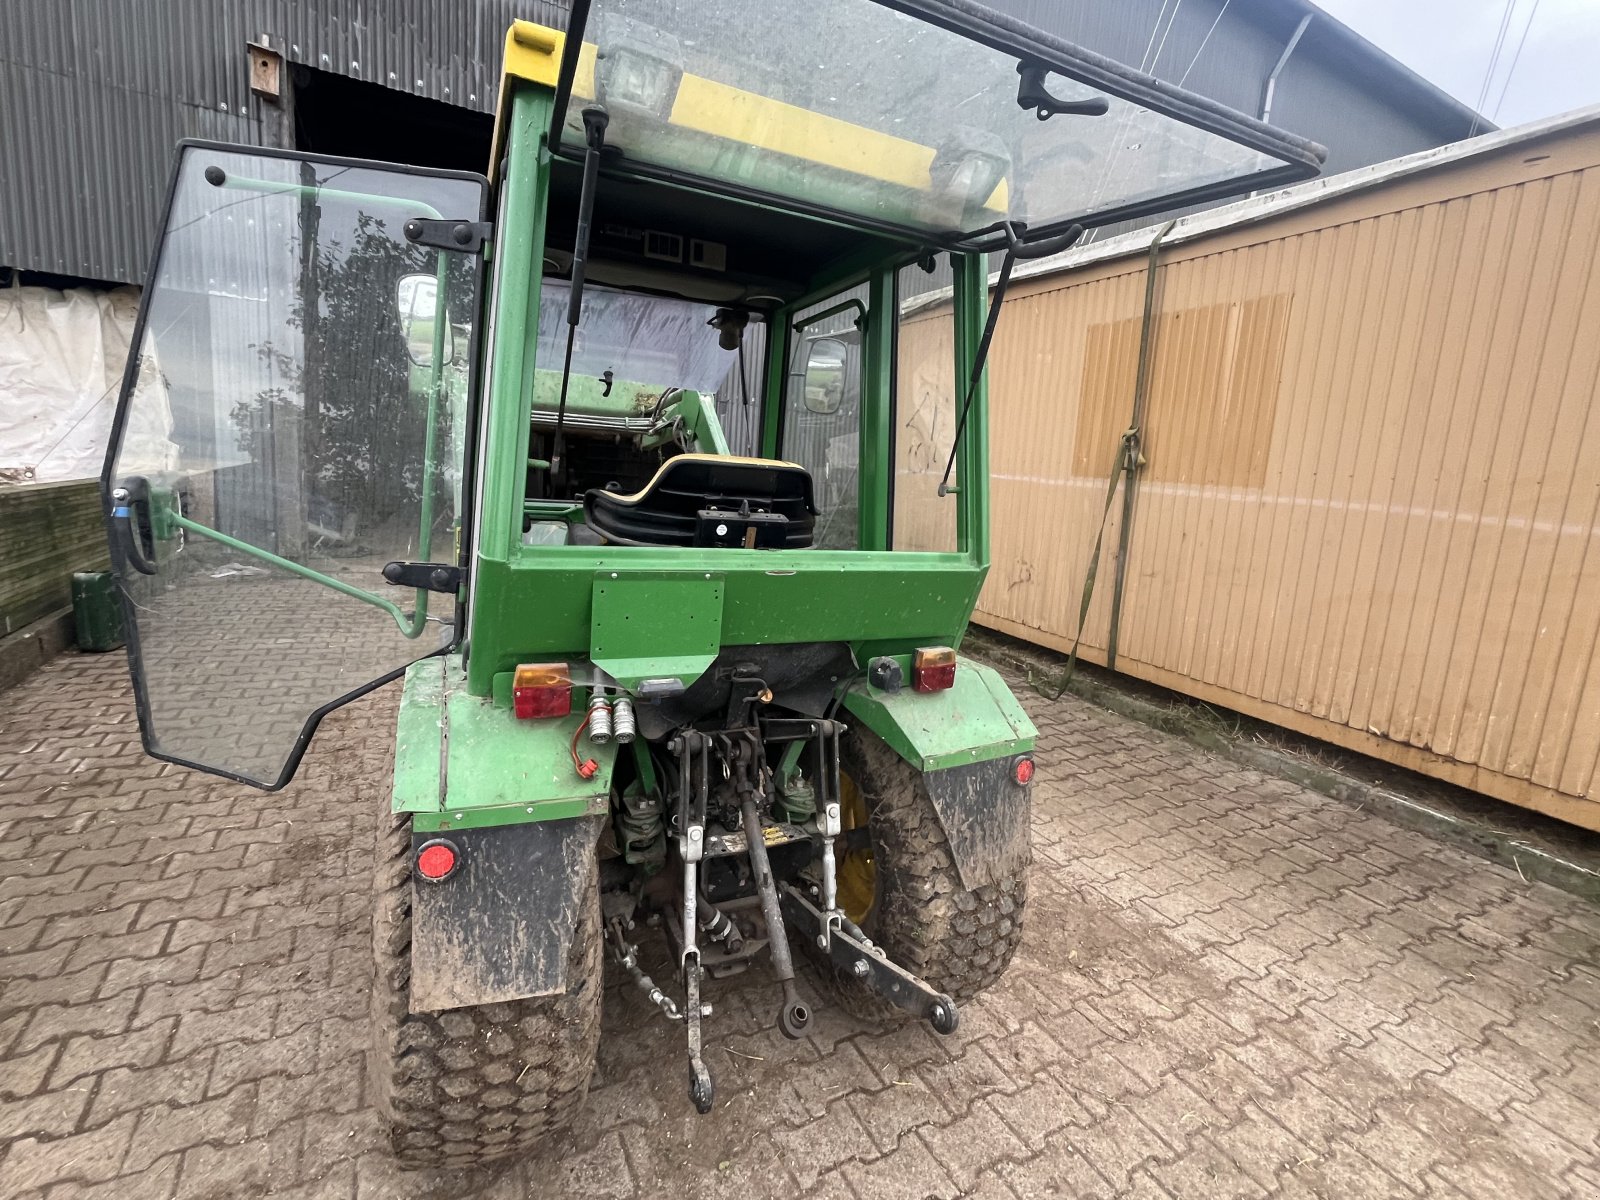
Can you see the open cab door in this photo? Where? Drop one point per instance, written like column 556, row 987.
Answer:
column 292, row 423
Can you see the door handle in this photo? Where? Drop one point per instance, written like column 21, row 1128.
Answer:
column 124, row 501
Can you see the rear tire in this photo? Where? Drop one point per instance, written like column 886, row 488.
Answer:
column 471, row 1085
column 959, row 940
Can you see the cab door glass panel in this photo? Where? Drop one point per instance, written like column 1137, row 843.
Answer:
column 293, row 420
column 822, row 411
column 926, row 408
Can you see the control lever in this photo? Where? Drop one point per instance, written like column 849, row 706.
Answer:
column 1032, row 94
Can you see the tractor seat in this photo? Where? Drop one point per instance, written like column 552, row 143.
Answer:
column 711, row 500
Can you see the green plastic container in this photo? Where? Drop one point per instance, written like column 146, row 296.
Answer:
column 96, row 611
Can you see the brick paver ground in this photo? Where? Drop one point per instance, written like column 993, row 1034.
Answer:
column 1228, row 987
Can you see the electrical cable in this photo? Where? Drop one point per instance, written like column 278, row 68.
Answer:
column 1505, row 86
column 1221, row 12
column 1144, row 58
column 1171, row 21
column 1494, row 61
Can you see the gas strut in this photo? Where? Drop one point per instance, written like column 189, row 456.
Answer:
column 595, row 120
column 1016, row 248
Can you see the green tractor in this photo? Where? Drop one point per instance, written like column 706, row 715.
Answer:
column 655, row 462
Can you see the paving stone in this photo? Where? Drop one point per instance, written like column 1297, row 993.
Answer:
column 1226, row 984
column 1206, row 1170
column 123, row 1089
column 972, row 1143
column 1261, row 1147
column 83, row 1056
column 86, row 1157
column 25, row 1073
column 1119, row 1145
column 158, row 1183
column 58, row 1022
column 890, row 1113
column 165, row 1130
column 1059, row 1171
column 834, row 1139
column 51, row 1114
column 221, row 1172
column 1039, row 1109
column 911, row 1171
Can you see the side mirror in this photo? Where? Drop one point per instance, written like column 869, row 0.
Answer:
column 421, row 322
column 824, row 376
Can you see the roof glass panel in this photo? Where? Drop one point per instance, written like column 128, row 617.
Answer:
column 855, row 107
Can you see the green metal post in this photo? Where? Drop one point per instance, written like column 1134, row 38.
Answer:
column 508, row 399
column 778, row 334
column 876, row 434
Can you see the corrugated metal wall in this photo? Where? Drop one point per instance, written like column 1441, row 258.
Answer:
column 95, row 93
column 1370, row 508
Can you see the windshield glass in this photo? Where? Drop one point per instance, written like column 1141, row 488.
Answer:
column 653, row 341
column 858, row 108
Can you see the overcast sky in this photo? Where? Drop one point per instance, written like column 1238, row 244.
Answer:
column 1449, row 42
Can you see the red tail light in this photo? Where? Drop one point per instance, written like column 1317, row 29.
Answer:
column 541, row 690
column 437, row 860
column 933, row 669
column 1023, row 771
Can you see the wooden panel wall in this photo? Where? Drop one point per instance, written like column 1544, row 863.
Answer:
column 47, row 531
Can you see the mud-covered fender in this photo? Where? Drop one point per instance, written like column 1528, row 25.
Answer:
column 501, row 926
column 966, row 741
column 524, row 826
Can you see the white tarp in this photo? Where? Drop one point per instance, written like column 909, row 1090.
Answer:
column 61, row 361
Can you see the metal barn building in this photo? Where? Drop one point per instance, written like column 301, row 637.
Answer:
column 94, row 93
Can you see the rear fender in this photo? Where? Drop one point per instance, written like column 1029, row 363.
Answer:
column 501, row 926
column 966, row 742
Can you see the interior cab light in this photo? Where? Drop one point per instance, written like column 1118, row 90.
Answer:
column 541, row 690
column 933, row 668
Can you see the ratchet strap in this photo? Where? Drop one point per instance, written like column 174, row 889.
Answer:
column 1128, row 461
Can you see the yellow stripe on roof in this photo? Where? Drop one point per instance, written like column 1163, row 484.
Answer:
column 533, row 52
column 710, row 107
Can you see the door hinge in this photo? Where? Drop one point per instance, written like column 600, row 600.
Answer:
column 432, row 577
column 463, row 237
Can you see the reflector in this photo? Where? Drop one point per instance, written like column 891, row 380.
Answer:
column 436, row 861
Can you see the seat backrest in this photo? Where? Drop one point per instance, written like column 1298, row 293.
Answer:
column 711, row 500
